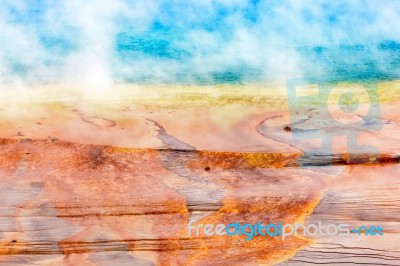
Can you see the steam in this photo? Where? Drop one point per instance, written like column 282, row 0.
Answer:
column 95, row 44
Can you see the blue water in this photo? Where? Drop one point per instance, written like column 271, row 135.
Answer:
column 359, row 62
column 194, row 42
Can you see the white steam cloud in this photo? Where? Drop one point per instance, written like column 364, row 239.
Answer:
column 95, row 44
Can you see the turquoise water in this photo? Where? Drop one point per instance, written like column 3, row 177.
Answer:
column 208, row 42
column 371, row 62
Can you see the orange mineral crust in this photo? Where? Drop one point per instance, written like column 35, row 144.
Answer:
column 118, row 176
column 68, row 202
